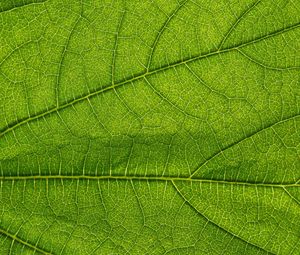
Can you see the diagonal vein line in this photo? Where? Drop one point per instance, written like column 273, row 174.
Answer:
column 19, row 240
column 213, row 223
column 218, row 153
column 13, row 126
column 257, row 62
column 144, row 178
column 291, row 196
column 161, row 31
column 62, row 58
column 267, row 36
column 163, row 97
column 238, row 21
column 22, row 5
column 117, row 36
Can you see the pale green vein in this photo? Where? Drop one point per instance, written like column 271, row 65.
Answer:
column 215, row 224
column 163, row 97
column 63, row 55
column 267, row 66
column 24, row 4
column 161, row 31
column 237, row 22
column 141, row 76
column 117, row 35
column 291, row 196
column 218, row 153
column 19, row 240
column 144, row 178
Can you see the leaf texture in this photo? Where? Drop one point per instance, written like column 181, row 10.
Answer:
column 150, row 127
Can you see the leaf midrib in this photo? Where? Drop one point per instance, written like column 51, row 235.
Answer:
column 145, row 178
column 15, row 125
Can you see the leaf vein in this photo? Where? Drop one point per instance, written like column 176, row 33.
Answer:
column 143, row 178
column 62, row 58
column 9, row 9
column 19, row 240
column 218, row 153
column 161, row 31
column 14, row 125
column 239, row 19
column 267, row 66
column 215, row 224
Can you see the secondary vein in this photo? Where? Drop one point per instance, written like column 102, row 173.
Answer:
column 13, row 126
column 19, row 240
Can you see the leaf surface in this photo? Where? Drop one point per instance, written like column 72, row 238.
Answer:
column 149, row 127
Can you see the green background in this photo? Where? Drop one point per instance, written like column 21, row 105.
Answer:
column 150, row 127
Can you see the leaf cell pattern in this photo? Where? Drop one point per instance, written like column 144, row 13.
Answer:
column 149, row 127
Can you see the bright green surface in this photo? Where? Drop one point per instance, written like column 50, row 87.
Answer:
column 150, row 127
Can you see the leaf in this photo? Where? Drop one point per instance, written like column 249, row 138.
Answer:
column 149, row 127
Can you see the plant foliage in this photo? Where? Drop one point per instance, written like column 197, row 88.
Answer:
column 150, row 127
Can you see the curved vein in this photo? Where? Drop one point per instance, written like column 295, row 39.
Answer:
column 160, row 32
column 203, row 83
column 168, row 101
column 291, row 196
column 239, row 19
column 62, row 58
column 14, row 125
column 14, row 50
column 117, row 35
column 19, row 240
column 266, row 66
column 218, row 153
column 215, row 224
column 22, row 5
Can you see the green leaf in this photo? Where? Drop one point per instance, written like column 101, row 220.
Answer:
column 150, row 127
